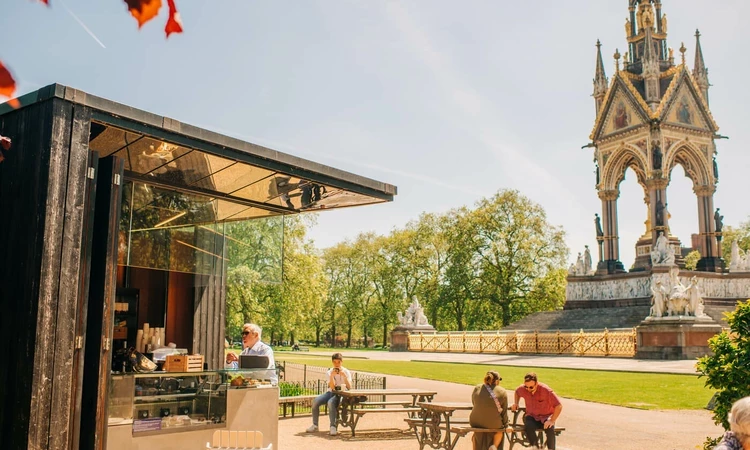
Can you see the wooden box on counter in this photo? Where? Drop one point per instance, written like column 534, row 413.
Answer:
column 184, row 363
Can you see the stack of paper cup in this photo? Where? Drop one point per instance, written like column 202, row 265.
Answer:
column 139, row 341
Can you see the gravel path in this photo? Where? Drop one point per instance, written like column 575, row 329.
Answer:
column 590, row 426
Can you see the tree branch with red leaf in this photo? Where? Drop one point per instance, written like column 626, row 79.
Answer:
column 141, row 10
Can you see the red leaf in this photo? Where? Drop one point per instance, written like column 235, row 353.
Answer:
column 8, row 86
column 143, row 10
column 5, row 142
column 174, row 24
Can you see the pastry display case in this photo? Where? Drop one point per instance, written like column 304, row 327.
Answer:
column 160, row 402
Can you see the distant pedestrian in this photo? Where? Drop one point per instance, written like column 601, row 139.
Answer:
column 543, row 407
column 738, row 438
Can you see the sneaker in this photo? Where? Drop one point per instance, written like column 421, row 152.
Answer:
column 312, row 429
column 333, row 431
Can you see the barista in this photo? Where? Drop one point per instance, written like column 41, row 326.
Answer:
column 252, row 345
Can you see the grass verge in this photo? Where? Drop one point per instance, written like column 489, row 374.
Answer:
column 629, row 389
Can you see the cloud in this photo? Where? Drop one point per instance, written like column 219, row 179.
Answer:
column 476, row 116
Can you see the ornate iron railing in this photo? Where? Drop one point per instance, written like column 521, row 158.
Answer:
column 619, row 342
column 304, row 381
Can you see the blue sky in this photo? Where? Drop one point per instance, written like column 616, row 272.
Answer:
column 448, row 100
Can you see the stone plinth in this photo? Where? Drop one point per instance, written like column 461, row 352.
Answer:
column 677, row 337
column 400, row 336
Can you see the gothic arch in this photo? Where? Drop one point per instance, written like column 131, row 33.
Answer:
column 623, row 158
column 692, row 160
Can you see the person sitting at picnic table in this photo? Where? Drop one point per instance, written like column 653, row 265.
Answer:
column 738, row 438
column 339, row 378
column 543, row 407
column 489, row 410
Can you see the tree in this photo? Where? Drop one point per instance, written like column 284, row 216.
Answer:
column 515, row 247
column 389, row 293
column 460, row 284
column 275, row 278
column 691, row 260
column 728, row 369
column 350, row 280
column 432, row 259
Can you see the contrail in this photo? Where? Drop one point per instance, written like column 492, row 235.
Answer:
column 83, row 25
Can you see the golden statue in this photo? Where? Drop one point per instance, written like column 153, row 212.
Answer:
column 648, row 16
column 645, row 15
column 628, row 30
column 671, row 54
column 664, row 24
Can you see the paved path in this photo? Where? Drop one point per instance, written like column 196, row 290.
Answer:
column 565, row 362
column 590, row 426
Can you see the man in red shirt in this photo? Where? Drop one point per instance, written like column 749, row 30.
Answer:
column 543, row 407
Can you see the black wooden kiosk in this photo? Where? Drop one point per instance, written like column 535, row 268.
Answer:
column 77, row 162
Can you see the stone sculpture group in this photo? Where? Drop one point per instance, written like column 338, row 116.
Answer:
column 414, row 316
column 672, row 298
column 662, row 253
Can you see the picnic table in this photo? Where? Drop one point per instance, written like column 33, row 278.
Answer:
column 356, row 403
column 436, row 427
column 433, row 424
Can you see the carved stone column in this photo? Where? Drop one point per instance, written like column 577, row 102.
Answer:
column 711, row 258
column 611, row 238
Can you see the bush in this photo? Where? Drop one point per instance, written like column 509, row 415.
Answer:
column 728, row 369
column 287, row 389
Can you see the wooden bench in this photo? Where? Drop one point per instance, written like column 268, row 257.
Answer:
column 356, row 403
column 404, row 404
column 415, row 422
column 517, row 436
column 290, row 402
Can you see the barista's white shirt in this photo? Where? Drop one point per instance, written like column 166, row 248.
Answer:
column 338, row 378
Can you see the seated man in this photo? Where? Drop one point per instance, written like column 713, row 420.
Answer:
column 543, row 407
column 252, row 345
column 338, row 378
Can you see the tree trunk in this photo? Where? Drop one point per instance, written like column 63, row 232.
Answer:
column 291, row 338
column 505, row 307
column 333, row 328
column 317, row 336
column 349, row 335
column 385, row 332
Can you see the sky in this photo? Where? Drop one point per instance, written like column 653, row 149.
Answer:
column 450, row 101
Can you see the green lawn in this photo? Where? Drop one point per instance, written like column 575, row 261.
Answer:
column 631, row 389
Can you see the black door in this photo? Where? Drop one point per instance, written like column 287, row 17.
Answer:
column 99, row 321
